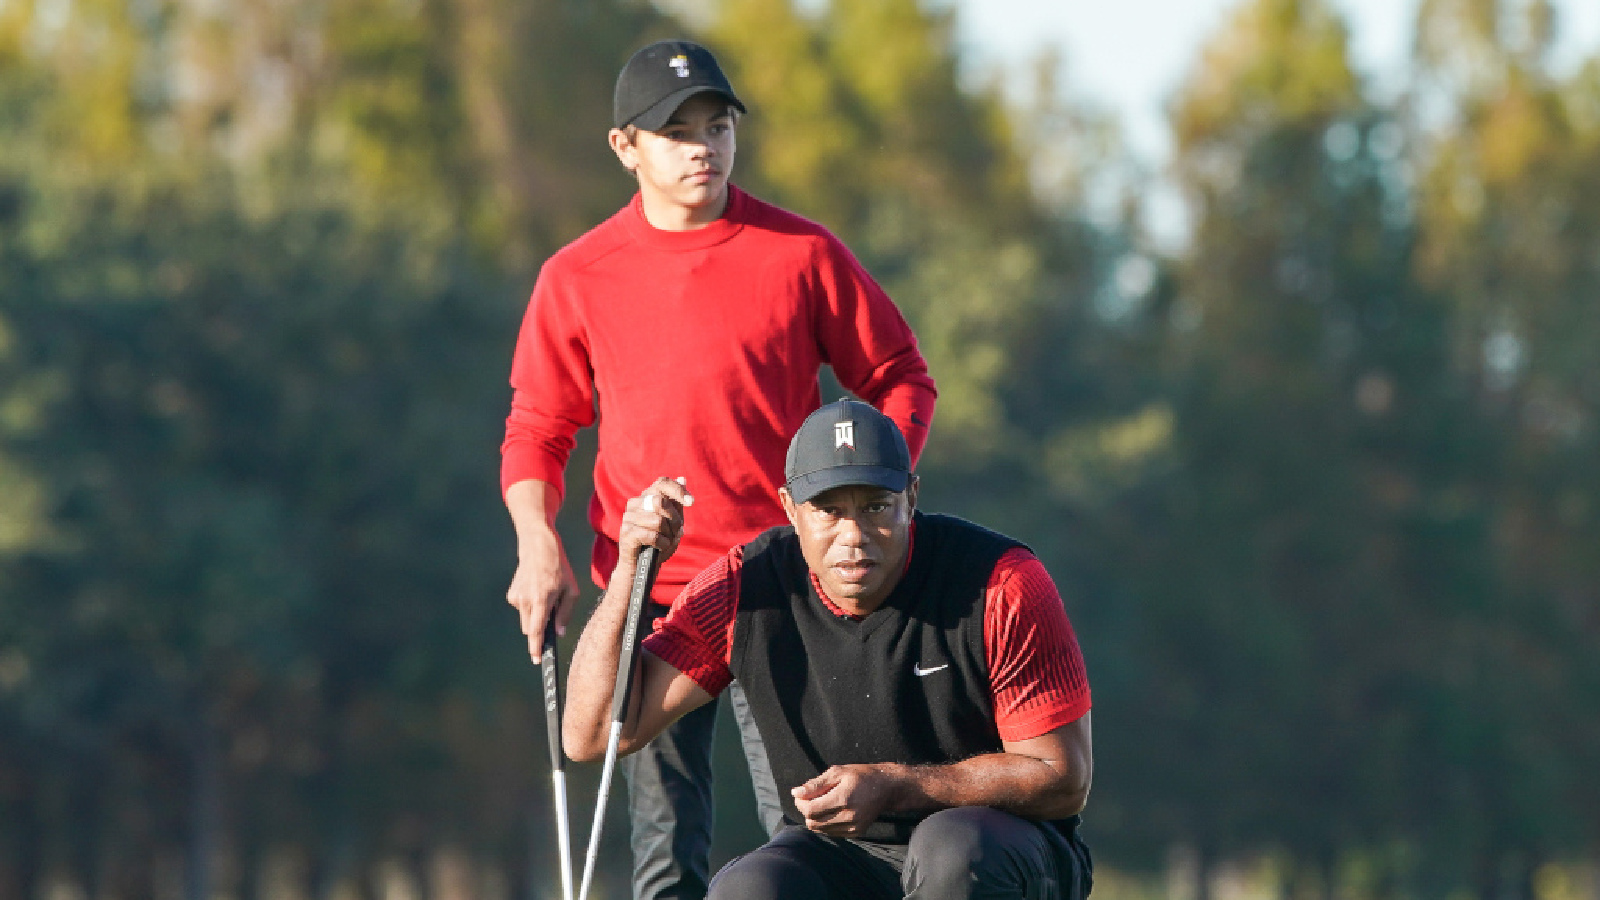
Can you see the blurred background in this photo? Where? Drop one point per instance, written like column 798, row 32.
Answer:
column 1300, row 408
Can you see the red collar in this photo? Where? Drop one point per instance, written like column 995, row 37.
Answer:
column 723, row 229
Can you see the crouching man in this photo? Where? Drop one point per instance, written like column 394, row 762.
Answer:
column 914, row 677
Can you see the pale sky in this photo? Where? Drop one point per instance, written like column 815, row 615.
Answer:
column 1128, row 55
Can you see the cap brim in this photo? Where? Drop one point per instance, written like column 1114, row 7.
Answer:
column 804, row 487
column 656, row 116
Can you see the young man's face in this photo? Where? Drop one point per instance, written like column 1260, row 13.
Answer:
column 855, row 538
column 687, row 162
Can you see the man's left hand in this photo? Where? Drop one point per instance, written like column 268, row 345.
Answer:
column 844, row 800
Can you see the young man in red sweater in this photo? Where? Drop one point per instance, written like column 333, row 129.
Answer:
column 696, row 320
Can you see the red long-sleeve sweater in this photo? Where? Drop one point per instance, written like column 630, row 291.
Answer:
column 701, row 350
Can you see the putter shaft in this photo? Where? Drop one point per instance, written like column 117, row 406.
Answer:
column 550, row 669
column 643, row 576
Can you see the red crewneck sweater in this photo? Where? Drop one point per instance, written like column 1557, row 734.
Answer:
column 701, row 349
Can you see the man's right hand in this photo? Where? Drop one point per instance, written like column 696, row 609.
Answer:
column 543, row 587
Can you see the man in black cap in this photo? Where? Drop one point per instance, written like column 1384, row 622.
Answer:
column 914, row 677
column 694, row 322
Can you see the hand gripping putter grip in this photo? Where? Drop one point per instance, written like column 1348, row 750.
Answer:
column 550, row 668
column 643, row 577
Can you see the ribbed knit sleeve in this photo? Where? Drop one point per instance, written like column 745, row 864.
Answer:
column 696, row 635
column 1036, row 670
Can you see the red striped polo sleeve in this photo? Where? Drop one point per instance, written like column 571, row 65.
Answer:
column 696, row 635
column 1036, row 671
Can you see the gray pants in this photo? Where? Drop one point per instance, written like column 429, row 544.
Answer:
column 669, row 801
column 966, row 853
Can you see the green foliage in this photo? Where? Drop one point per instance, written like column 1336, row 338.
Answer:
column 264, row 462
column 1511, row 236
column 1351, row 504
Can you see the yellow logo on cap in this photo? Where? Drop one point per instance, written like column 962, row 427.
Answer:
column 680, row 64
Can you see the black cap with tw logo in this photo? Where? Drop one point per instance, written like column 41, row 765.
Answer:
column 657, row 80
column 846, row 442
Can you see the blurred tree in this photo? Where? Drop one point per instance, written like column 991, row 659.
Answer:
column 486, row 115
column 259, row 424
column 1251, row 558
column 1324, row 612
column 1509, row 203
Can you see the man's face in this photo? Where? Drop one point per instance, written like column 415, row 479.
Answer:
column 855, row 539
column 689, row 160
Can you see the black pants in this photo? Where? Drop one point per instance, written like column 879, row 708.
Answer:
column 669, row 801
column 967, row 852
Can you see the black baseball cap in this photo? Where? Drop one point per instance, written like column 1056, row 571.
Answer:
column 846, row 442
column 658, row 78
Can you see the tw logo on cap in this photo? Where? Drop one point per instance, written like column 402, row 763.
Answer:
column 844, row 435
column 680, row 64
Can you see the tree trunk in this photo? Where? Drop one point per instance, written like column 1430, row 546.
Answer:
column 21, row 868
column 205, row 813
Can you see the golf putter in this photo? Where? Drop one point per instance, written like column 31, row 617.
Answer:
column 643, row 576
column 550, row 667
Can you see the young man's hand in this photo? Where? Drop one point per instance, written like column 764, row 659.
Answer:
column 543, row 590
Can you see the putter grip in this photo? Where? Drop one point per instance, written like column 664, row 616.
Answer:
column 550, row 668
column 643, row 577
